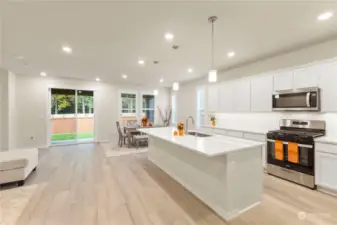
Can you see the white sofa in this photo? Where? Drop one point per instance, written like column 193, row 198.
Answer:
column 16, row 165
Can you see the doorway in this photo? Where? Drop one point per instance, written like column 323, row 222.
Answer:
column 72, row 116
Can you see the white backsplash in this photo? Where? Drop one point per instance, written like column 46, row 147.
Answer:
column 270, row 121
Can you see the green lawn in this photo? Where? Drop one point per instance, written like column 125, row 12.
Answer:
column 62, row 137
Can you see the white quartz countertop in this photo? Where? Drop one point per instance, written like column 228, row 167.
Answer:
column 210, row 146
column 327, row 139
column 256, row 131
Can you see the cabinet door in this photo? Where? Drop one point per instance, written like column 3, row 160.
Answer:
column 328, row 83
column 226, row 96
column 325, row 172
column 306, row 77
column 261, row 93
column 213, row 98
column 241, row 95
column 283, row 81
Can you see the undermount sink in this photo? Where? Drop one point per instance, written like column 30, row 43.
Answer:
column 193, row 133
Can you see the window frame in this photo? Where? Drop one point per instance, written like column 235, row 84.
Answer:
column 128, row 114
column 148, row 109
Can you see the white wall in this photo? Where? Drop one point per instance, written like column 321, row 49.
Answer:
column 32, row 108
column 1, row 41
column 263, row 121
column 7, row 109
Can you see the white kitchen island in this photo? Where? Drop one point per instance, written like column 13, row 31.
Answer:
column 224, row 172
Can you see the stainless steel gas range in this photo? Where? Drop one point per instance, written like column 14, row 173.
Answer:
column 291, row 150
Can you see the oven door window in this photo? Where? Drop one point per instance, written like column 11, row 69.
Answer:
column 292, row 100
column 306, row 157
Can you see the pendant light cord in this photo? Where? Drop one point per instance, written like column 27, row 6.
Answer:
column 212, row 44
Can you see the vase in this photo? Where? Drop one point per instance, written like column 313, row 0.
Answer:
column 144, row 124
column 213, row 123
column 181, row 132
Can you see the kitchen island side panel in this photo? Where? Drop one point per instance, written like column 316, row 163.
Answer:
column 205, row 177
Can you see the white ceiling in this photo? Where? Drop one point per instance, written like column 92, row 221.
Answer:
column 109, row 38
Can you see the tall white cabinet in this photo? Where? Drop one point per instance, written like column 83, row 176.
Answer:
column 226, row 96
column 213, row 98
column 328, row 85
column 306, row 77
column 241, row 95
column 261, row 93
column 283, row 81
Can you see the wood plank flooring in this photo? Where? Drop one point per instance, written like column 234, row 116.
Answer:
column 78, row 185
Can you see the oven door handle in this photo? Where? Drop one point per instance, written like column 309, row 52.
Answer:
column 308, row 99
column 285, row 143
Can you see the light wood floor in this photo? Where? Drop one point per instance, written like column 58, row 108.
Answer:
column 78, row 185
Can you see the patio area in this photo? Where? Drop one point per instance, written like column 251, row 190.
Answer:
column 64, row 129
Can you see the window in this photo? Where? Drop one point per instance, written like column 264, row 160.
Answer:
column 62, row 101
column 148, row 107
column 85, row 102
column 174, row 109
column 128, row 104
column 200, row 107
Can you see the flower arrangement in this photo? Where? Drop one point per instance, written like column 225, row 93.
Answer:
column 213, row 120
column 180, row 127
column 144, row 120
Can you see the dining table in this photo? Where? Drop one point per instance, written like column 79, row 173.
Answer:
column 131, row 129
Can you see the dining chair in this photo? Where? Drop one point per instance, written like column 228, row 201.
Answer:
column 132, row 122
column 121, row 135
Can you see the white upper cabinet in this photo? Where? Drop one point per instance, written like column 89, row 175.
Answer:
column 283, row 81
column 226, row 96
column 213, row 98
column 328, row 85
column 261, row 93
column 241, row 95
column 306, row 77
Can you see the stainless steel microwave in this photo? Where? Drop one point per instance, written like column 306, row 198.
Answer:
column 306, row 99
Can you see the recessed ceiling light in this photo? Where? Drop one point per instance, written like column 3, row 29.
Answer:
column 155, row 92
column 98, row 79
column 169, row 36
column 124, row 76
column 67, row 49
column 175, row 86
column 161, row 80
column 141, row 62
column 231, row 54
column 325, row 16
column 44, row 74
column 190, row 70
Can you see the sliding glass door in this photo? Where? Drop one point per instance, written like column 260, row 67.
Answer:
column 72, row 116
column 85, row 116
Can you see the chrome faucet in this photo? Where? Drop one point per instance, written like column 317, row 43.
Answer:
column 187, row 123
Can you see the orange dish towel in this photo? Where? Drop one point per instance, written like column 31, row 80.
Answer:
column 293, row 155
column 279, row 153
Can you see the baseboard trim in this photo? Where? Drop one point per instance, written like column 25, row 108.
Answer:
column 327, row 190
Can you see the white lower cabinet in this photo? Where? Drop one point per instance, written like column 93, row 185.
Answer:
column 261, row 138
column 325, row 170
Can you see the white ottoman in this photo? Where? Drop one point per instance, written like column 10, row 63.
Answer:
column 16, row 165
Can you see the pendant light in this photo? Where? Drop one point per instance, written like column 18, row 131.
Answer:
column 175, row 86
column 212, row 74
